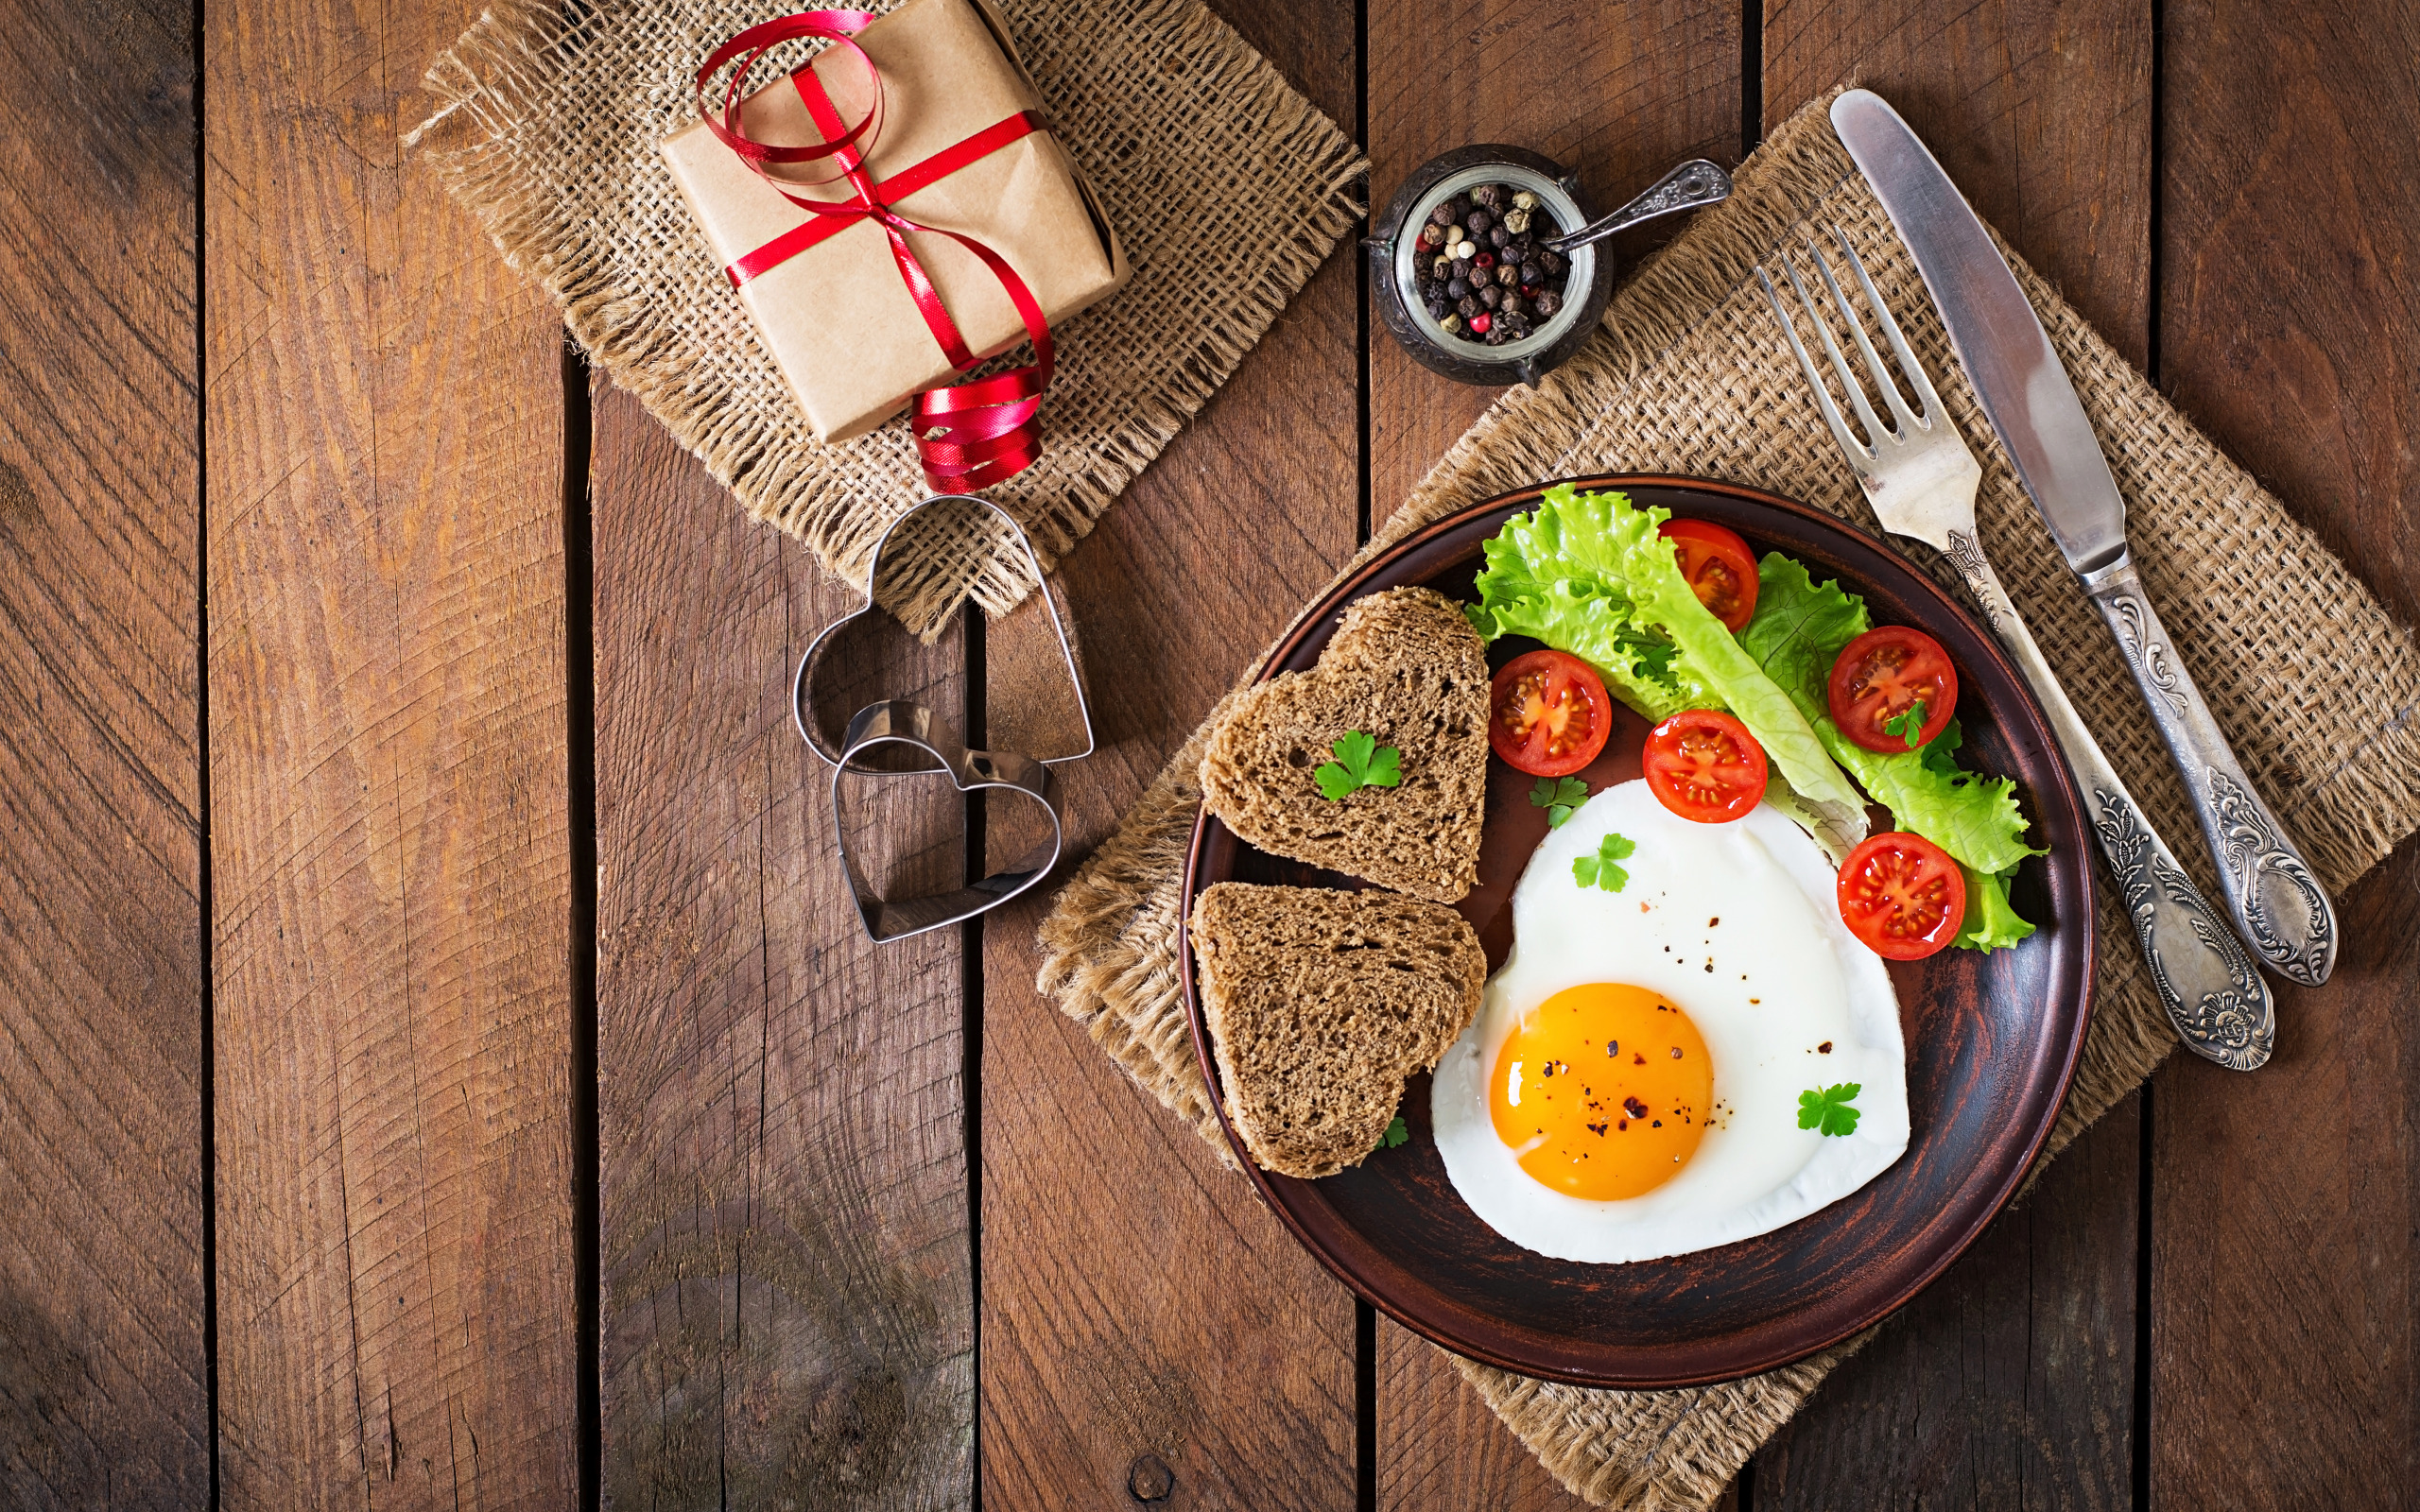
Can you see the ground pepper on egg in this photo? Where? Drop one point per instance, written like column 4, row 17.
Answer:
column 1482, row 271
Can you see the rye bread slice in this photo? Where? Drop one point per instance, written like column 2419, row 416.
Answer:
column 1405, row 669
column 1319, row 1004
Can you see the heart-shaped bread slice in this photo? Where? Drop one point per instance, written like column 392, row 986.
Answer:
column 1405, row 669
column 1321, row 1004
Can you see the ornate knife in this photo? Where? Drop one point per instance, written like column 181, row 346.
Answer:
column 2278, row 907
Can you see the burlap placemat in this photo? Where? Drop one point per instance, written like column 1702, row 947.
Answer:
column 1227, row 186
column 2313, row 684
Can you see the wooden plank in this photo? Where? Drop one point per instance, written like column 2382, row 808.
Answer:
column 1616, row 92
column 2042, row 113
column 2283, row 1215
column 1439, row 1446
column 102, row 1376
column 2011, row 1382
column 388, row 826
column 788, row 1291
column 1138, row 1303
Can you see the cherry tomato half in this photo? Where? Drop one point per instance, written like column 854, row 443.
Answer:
column 1719, row 566
column 1902, row 895
column 1702, row 764
column 1879, row 677
column 1548, row 714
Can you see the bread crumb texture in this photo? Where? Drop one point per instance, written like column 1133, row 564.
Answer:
column 1407, row 669
column 1321, row 1004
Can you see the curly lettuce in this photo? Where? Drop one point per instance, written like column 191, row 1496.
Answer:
column 1796, row 633
column 1588, row 573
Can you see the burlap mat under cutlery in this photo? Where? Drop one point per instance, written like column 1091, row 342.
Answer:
column 1226, row 185
column 2312, row 682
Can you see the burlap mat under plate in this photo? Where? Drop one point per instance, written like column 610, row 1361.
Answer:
column 2313, row 684
column 1226, row 185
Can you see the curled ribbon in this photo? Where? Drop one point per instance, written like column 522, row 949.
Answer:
column 968, row 436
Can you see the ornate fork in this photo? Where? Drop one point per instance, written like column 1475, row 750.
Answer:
column 1920, row 479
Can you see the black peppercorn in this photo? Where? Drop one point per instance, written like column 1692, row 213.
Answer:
column 1550, row 261
column 1457, row 287
column 1497, row 335
column 1498, row 236
column 1532, row 272
column 1469, row 306
column 1436, row 309
column 1549, row 302
column 1510, row 306
column 1444, row 217
column 1490, row 194
column 1491, row 296
column 1478, row 221
column 1432, row 236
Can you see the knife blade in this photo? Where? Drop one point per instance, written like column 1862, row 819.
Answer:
column 2025, row 392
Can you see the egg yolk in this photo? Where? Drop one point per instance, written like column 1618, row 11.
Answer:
column 1602, row 1091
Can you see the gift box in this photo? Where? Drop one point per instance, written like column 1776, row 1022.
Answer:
column 839, row 316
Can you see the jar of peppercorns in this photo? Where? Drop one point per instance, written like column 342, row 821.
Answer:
column 1486, row 264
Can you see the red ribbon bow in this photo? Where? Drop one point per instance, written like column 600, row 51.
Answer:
column 969, row 436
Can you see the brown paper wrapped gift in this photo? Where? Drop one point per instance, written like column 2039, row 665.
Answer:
column 837, row 317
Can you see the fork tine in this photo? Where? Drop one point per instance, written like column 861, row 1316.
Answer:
column 1926, row 393
column 1874, row 426
column 1898, row 406
column 1858, row 451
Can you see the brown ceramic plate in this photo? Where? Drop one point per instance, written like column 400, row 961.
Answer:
column 1992, row 1039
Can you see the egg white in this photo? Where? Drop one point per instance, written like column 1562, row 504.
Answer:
column 1780, row 942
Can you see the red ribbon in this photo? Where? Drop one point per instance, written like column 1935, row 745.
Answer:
column 970, row 435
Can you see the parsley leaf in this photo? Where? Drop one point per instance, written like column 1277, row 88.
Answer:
column 1361, row 761
column 1558, row 796
column 1829, row 1109
column 1396, row 1133
column 1598, row 871
column 1908, row 724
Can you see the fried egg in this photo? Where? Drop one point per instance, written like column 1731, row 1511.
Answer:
column 1630, row 1087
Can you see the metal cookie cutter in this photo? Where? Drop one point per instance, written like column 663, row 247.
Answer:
column 893, row 722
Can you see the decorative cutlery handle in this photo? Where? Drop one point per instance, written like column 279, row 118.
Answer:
column 2279, row 908
column 2219, row 1003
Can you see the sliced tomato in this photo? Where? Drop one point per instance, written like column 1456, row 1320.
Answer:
column 1548, row 714
column 1878, row 678
column 1702, row 764
column 1719, row 566
column 1903, row 895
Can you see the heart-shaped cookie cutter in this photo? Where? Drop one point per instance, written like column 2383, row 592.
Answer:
column 893, row 722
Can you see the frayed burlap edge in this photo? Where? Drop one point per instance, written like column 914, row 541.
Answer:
column 498, row 141
column 1109, row 944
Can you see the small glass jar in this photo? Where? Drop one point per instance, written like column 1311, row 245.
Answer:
column 1394, row 249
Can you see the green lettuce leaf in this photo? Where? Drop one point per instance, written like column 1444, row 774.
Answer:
column 1586, row 572
column 1990, row 921
column 1797, row 634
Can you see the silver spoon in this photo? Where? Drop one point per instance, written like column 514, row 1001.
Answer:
column 1693, row 183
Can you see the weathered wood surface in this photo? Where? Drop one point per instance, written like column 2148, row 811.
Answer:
column 388, row 830
column 787, row 1304
column 811, row 1291
column 1140, row 1308
column 103, row 1380
column 2284, row 1307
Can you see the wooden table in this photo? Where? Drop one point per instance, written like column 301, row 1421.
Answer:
column 438, row 1065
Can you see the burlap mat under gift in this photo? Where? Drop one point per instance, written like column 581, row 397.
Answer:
column 2313, row 684
column 1226, row 185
